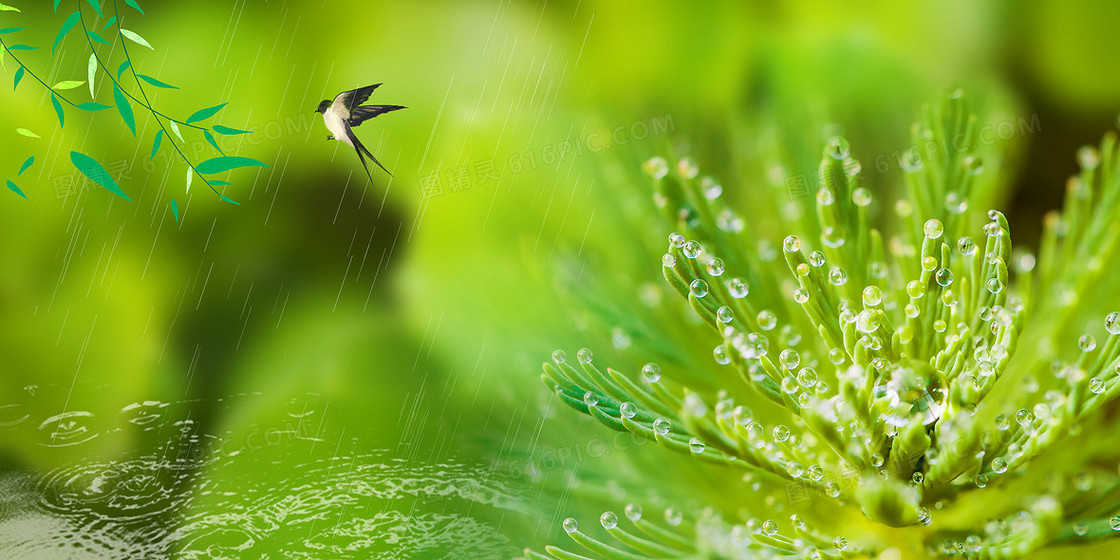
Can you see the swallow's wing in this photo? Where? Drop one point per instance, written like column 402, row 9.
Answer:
column 359, row 115
column 348, row 100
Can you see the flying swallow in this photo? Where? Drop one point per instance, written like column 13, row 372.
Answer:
column 346, row 112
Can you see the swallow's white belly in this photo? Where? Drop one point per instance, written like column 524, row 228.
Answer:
column 337, row 126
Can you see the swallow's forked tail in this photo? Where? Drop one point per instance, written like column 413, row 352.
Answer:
column 361, row 148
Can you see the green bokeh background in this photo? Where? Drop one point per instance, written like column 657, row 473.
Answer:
column 412, row 326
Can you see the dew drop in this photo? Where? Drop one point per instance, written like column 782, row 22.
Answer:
column 840, row 543
column 825, row 197
column 695, row 446
column 981, row 481
column 966, row 246
column 934, row 228
column 673, row 516
column 633, row 511
column 800, row 295
column 738, row 288
column 872, row 296
column 911, row 161
column 999, row 465
column 1114, row 522
column 628, row 410
column 651, row 373
column 792, row 244
column 692, row 249
column 770, row 527
column 698, row 288
column 862, row 197
column 724, row 314
column 789, row 358
column 609, row 520
column 712, row 190
column 668, row 260
column 559, row 356
column 584, row 355
column 715, row 267
column 807, row 377
column 661, row 426
column 656, row 167
column 1112, row 323
column 867, row 321
column 837, row 276
column 590, row 399
column 721, row 355
column 570, row 525
column 766, row 320
column 973, row 165
column 944, row 277
column 1088, row 157
column 1087, row 343
column 687, row 168
column 1096, row 385
column 994, row 285
column 781, row 433
column 838, row 148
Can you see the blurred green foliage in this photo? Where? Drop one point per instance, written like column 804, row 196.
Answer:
column 417, row 322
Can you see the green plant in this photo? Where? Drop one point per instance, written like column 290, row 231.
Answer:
column 123, row 99
column 925, row 388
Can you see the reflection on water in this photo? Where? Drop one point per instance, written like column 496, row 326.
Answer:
column 276, row 492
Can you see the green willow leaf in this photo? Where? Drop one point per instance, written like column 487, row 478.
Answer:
column 58, row 110
column 91, row 72
column 26, row 163
column 124, row 66
column 56, row 2
column 124, row 108
column 19, row 76
column 96, row 7
column 135, row 6
column 11, row 30
column 66, row 27
column 220, row 183
column 175, row 209
column 135, row 38
column 97, row 37
column 203, row 114
column 92, row 106
column 220, row 164
column 7, row 8
column 96, row 173
column 156, row 82
column 155, row 144
column 228, row 131
column 27, row 133
column 12, row 187
column 190, row 177
column 210, row 139
column 111, row 21
column 68, row 84
column 229, row 200
column 21, row 47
